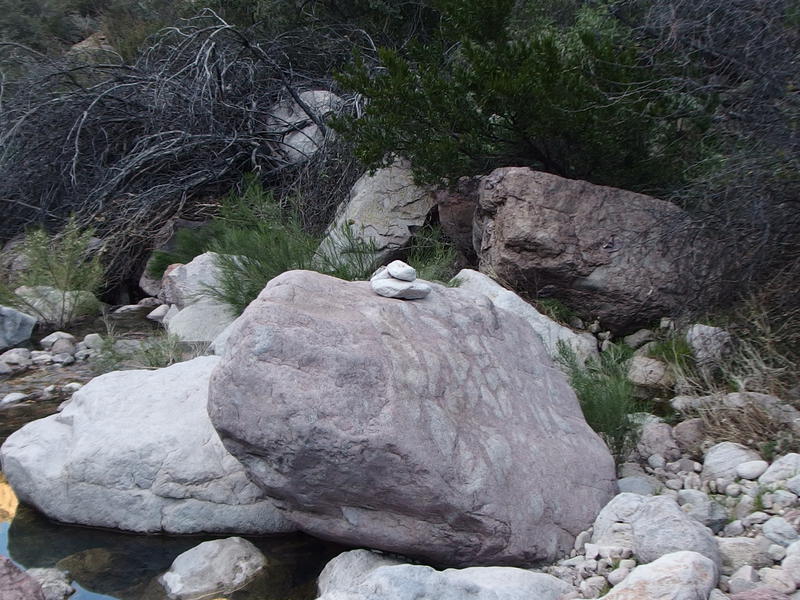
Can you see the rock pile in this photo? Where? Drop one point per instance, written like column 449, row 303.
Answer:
column 399, row 280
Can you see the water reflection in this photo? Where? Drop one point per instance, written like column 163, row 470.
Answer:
column 8, row 501
column 126, row 567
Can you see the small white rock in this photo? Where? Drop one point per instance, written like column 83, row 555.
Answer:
column 776, row 552
column 13, row 398
column 402, row 271
column 778, row 580
column 780, row 531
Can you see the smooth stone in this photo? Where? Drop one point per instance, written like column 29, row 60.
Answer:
column 48, row 341
column 400, row 270
column 402, row 290
column 217, row 567
column 752, row 469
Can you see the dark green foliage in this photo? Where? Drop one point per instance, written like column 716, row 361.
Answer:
column 606, row 396
column 575, row 101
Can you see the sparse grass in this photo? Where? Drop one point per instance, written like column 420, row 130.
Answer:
column 606, row 396
column 750, row 425
column 554, row 309
column 432, row 255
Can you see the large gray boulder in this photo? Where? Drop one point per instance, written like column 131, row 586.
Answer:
column 413, row 427
column 412, row 582
column 384, row 209
column 552, row 334
column 135, row 450
column 625, row 258
column 15, row 327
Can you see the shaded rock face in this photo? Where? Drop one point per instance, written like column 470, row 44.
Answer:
column 385, row 209
column 415, row 427
column 622, row 257
column 15, row 327
column 456, row 209
column 135, row 450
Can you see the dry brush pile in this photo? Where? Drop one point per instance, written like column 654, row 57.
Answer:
column 127, row 147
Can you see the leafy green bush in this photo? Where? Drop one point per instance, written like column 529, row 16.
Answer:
column 606, row 396
column 497, row 91
column 60, row 279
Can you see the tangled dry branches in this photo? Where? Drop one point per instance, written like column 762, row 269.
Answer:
column 126, row 148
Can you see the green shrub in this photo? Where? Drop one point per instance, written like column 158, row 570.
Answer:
column 606, row 396
column 554, row 309
column 432, row 255
column 493, row 91
column 63, row 262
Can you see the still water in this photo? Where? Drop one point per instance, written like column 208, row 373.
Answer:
column 111, row 565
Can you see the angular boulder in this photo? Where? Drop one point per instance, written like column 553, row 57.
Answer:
column 135, row 450
column 384, row 209
column 413, row 427
column 15, row 327
column 625, row 258
column 186, row 284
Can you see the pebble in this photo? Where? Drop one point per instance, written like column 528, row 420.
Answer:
column 755, row 518
column 41, row 358
column 674, row 484
column 776, row 552
column 627, row 563
column 13, row 398
column 780, row 531
column 733, row 490
column 63, row 359
column 617, row 576
column 403, row 290
column 733, row 529
column 593, row 587
column 71, row 387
